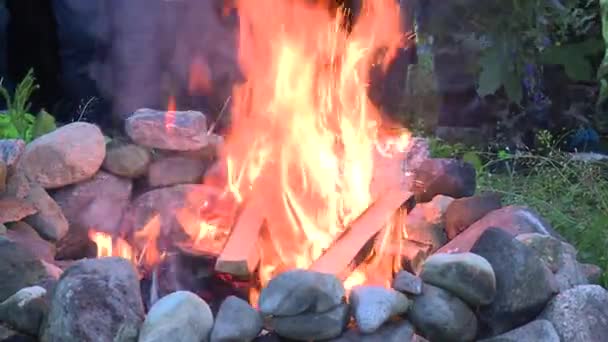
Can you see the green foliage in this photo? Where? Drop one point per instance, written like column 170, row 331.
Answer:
column 534, row 32
column 602, row 73
column 17, row 122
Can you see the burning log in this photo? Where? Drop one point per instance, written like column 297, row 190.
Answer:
column 340, row 256
column 240, row 254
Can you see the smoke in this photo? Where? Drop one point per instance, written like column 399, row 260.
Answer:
column 149, row 50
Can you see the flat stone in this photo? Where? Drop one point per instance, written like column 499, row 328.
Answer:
column 524, row 284
column 426, row 222
column 68, row 155
column 441, row 316
column 298, row 291
column 178, row 131
column 401, row 331
column 180, row 316
column 406, row 282
column 450, row 177
column 374, row 305
column 10, row 151
column 27, row 237
column 463, row 212
column 579, row 314
column 468, row 276
column 538, row 331
column 19, row 268
column 95, row 300
column 236, row 321
column 15, row 209
column 512, row 219
column 49, row 220
column 176, row 170
column 126, row 160
column 312, row 326
column 25, row 309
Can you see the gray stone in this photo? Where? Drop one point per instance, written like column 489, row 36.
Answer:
column 297, row 291
column 236, row 321
column 9, row 335
column 68, row 155
column 579, row 314
column 17, row 186
column 560, row 257
column 3, row 176
column 27, row 237
column 10, row 151
column 176, row 170
column 441, row 316
column 450, row 177
column 15, row 209
column 374, row 305
column 512, row 219
column 406, row 282
column 400, row 331
column 466, row 275
column 168, row 202
column 126, row 160
column 538, row 331
column 19, row 268
column 97, row 203
column 426, row 222
column 95, row 300
column 179, row 130
column 417, row 152
column 463, row 212
column 49, row 220
column 524, row 284
column 25, row 309
column 2, row 229
column 593, row 273
column 312, row 326
column 180, row 316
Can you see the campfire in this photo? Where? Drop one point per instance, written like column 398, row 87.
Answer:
column 314, row 218
column 311, row 173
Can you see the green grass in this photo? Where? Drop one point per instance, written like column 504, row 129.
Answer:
column 571, row 195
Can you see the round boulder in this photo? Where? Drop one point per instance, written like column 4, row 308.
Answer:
column 466, row 275
column 65, row 156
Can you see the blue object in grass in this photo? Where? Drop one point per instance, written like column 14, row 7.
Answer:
column 584, row 139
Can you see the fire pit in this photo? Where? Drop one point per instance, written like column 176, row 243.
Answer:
column 313, row 219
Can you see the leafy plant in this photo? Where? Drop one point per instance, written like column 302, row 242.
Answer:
column 17, row 122
column 537, row 32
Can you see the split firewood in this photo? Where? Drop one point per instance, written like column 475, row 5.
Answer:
column 339, row 257
column 240, row 255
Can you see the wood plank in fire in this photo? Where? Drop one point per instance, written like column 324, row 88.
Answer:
column 240, row 255
column 337, row 259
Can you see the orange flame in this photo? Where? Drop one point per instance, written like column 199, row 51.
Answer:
column 108, row 246
column 304, row 132
column 144, row 250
